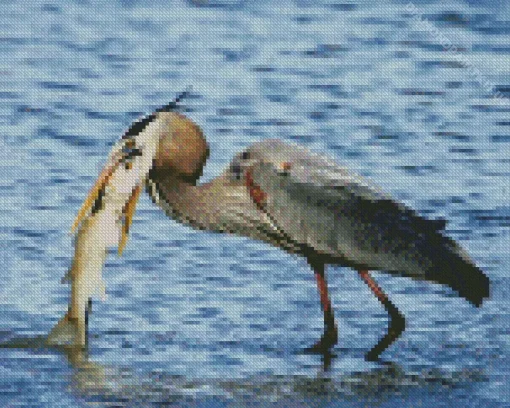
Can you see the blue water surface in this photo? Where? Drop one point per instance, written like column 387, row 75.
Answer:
column 200, row 319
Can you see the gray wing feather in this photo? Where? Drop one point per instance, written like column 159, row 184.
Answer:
column 320, row 204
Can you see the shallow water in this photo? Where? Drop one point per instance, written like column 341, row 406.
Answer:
column 201, row 319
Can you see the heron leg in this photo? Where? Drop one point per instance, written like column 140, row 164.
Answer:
column 397, row 321
column 330, row 336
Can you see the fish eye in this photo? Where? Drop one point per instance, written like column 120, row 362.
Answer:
column 236, row 170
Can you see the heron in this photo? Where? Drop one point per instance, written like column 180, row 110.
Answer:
column 303, row 203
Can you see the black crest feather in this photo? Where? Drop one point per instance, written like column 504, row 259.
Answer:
column 139, row 125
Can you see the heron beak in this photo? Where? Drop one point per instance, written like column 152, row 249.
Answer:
column 96, row 190
column 129, row 211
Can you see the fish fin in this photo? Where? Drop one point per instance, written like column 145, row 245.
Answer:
column 452, row 268
column 65, row 333
column 95, row 192
column 67, row 277
column 129, row 211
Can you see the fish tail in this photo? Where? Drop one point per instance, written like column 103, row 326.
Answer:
column 71, row 330
column 67, row 332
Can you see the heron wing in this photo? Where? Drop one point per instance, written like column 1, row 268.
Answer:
column 323, row 206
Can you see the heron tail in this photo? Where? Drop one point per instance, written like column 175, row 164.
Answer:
column 452, row 267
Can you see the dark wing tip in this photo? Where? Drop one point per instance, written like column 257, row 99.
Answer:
column 461, row 274
column 438, row 224
column 483, row 290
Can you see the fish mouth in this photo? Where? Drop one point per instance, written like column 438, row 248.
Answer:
column 122, row 154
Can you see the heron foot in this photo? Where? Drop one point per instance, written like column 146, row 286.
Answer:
column 327, row 341
column 396, row 327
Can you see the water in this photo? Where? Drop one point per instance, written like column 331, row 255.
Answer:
column 202, row 319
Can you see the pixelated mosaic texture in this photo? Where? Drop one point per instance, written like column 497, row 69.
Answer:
column 412, row 97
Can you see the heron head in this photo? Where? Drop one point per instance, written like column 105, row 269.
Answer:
column 183, row 149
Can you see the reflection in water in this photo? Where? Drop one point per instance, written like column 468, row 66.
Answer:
column 116, row 384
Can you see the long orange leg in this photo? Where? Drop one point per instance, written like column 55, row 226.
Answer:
column 397, row 321
column 330, row 336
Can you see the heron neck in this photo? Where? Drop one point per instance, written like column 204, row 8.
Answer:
column 182, row 199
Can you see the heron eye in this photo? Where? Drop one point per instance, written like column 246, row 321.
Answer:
column 245, row 155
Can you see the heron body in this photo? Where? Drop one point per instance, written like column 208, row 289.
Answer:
column 308, row 205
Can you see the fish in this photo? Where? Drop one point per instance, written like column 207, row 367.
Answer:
column 103, row 222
